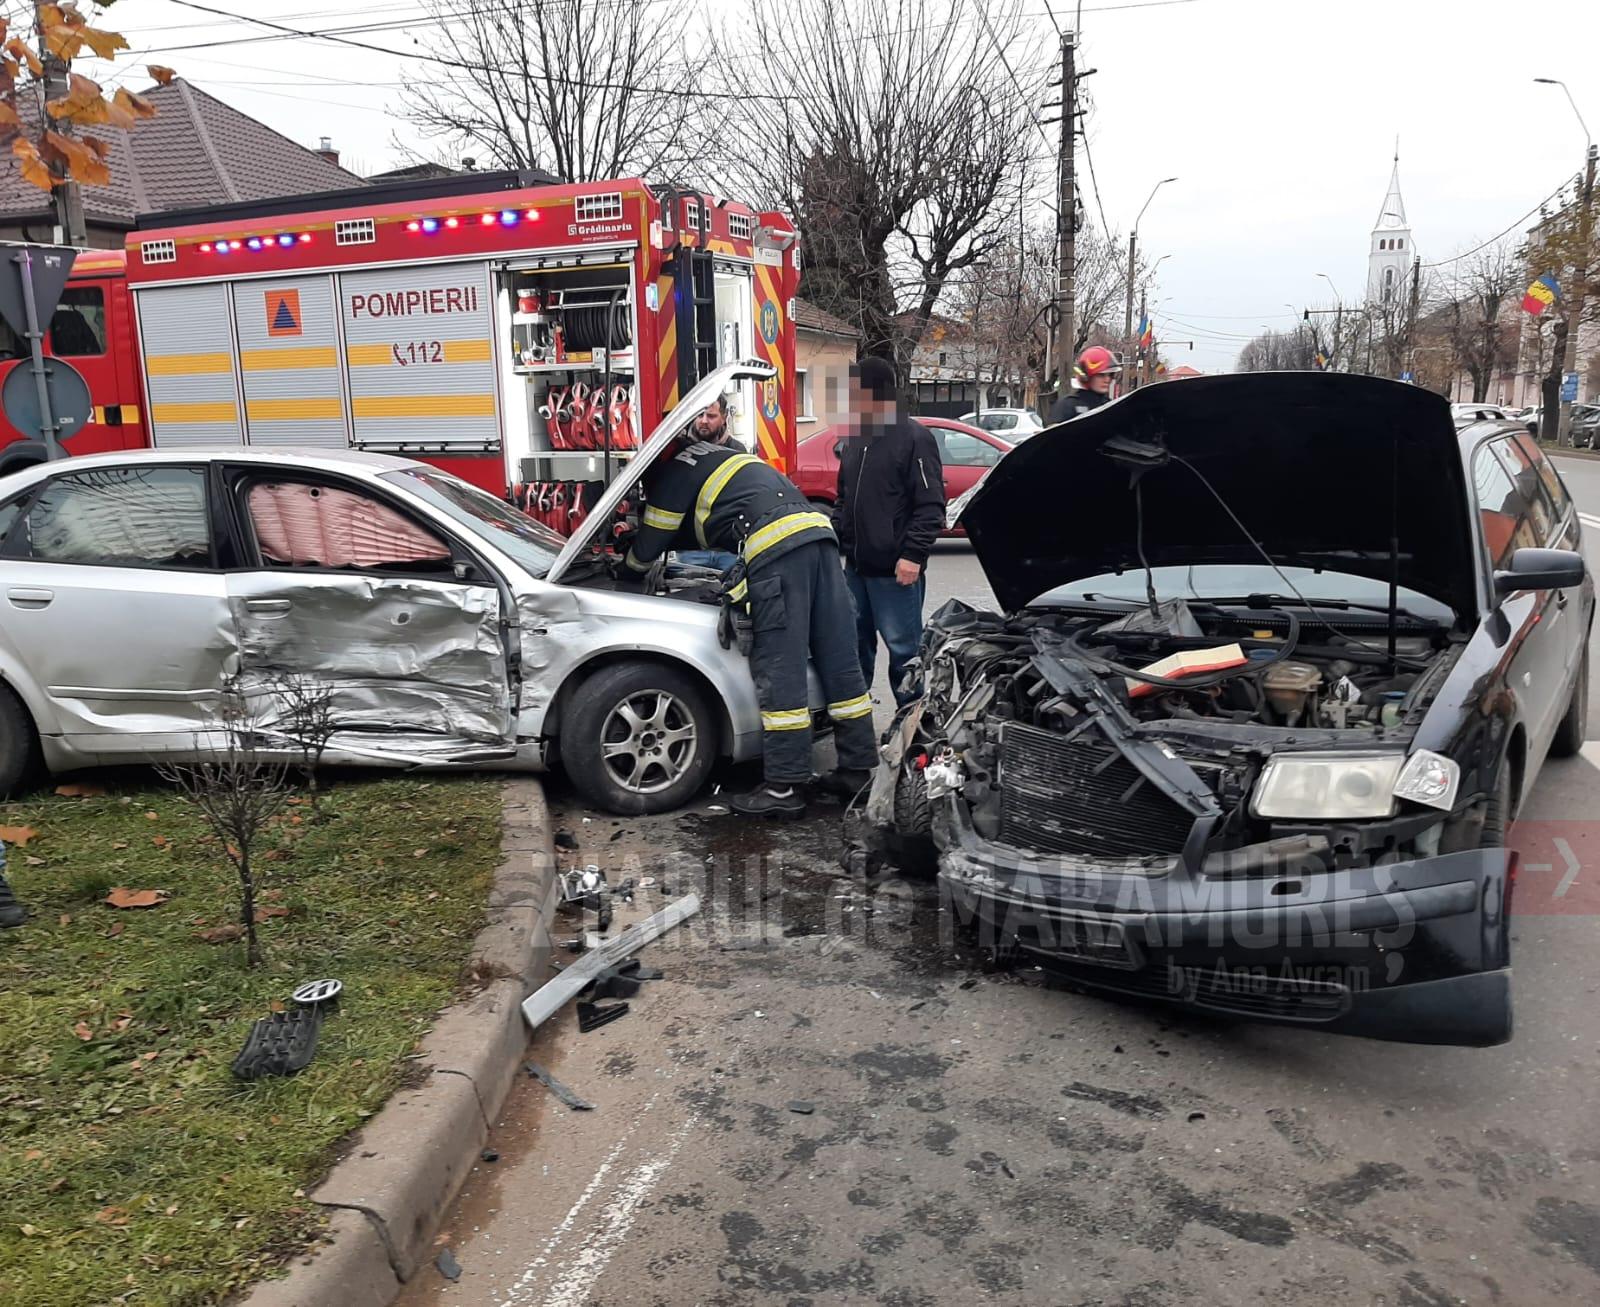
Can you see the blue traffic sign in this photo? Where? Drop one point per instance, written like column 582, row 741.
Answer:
column 1569, row 387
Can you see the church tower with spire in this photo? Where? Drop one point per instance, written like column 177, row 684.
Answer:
column 1389, row 260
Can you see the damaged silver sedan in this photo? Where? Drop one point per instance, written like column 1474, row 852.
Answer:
column 1281, row 657
column 442, row 627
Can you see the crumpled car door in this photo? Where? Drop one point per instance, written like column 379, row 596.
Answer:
column 415, row 670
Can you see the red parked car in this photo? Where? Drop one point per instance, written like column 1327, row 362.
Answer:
column 966, row 451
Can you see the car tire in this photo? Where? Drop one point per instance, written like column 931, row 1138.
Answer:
column 639, row 737
column 913, row 809
column 1568, row 738
column 19, row 744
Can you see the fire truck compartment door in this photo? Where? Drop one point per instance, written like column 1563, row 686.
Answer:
column 289, row 362
column 187, row 337
column 419, row 344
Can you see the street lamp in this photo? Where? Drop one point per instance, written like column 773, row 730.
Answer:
column 1133, row 248
column 1338, row 317
column 1580, row 271
column 1338, row 298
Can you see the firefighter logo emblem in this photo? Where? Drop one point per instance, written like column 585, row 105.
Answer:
column 283, row 313
column 769, row 323
column 769, row 396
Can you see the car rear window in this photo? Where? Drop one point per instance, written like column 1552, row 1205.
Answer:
column 118, row 517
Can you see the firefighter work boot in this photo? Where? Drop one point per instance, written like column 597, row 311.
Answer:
column 774, row 802
column 845, row 782
column 12, row 913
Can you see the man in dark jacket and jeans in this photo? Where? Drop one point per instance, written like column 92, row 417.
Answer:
column 889, row 511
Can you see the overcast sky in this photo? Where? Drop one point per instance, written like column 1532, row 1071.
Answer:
column 1279, row 118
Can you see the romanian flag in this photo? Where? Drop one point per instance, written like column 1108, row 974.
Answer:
column 1541, row 295
column 1147, row 333
column 1323, row 360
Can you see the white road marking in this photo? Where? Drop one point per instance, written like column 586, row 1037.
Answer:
column 612, row 1226
column 1589, row 519
column 514, row 1294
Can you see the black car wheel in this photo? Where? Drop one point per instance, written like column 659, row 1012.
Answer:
column 639, row 738
column 19, row 744
column 1569, row 735
column 1497, row 808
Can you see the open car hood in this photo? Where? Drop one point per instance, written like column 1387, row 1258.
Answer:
column 671, row 427
column 1320, row 467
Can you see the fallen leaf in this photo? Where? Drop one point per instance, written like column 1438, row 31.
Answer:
column 419, row 853
column 78, row 790
column 173, row 1210
column 33, row 1155
column 122, row 1022
column 121, row 897
column 152, row 1055
column 115, row 930
column 66, row 918
column 160, row 841
column 33, row 861
column 263, row 913
column 112, row 1215
column 18, row 835
column 220, row 934
column 296, row 821
column 82, row 1031
column 120, row 844
column 272, row 896
column 30, row 1230
column 275, row 1006
column 152, row 816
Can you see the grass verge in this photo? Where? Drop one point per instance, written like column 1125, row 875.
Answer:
column 133, row 1167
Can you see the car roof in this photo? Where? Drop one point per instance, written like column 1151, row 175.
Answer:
column 333, row 460
column 949, row 424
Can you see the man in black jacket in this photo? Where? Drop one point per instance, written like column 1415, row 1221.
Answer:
column 889, row 511
column 716, row 496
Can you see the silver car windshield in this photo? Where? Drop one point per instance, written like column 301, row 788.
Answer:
column 1228, row 581
column 532, row 546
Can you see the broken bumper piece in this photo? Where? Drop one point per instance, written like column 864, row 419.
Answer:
column 1412, row 951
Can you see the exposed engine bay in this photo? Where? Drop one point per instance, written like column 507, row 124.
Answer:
column 1141, row 735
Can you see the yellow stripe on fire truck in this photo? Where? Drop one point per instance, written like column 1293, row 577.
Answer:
column 426, row 406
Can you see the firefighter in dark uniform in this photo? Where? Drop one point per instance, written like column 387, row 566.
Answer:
column 1091, row 385
column 715, row 496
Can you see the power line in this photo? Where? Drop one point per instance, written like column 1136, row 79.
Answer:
column 445, row 61
column 1456, row 258
column 1023, row 96
column 1094, row 184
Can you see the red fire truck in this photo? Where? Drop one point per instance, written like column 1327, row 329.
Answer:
column 495, row 325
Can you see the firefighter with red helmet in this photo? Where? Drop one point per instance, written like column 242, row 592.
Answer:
column 1091, row 385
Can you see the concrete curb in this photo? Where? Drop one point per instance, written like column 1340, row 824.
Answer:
column 388, row 1197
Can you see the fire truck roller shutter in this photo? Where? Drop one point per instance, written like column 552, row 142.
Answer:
column 188, row 363
column 419, row 342
column 289, row 362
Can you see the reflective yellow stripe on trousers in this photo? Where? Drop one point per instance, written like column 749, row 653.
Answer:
column 777, row 532
column 796, row 719
column 712, row 488
column 849, row 709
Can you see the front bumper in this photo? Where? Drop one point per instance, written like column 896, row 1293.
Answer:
column 1412, row 951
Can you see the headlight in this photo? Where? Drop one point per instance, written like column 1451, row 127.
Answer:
column 1346, row 786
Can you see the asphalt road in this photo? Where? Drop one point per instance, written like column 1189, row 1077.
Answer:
column 826, row 1101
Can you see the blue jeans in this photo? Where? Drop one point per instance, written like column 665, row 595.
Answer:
column 885, row 607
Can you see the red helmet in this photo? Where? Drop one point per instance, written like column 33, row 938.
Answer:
column 1094, row 361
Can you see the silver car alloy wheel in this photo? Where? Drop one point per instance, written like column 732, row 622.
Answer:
column 648, row 741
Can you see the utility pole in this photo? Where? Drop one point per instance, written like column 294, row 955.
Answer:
column 1580, row 274
column 68, row 195
column 1144, row 362
column 1127, row 313
column 1067, row 215
column 1410, row 364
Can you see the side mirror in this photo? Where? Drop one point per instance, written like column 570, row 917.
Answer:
column 1541, row 569
column 838, row 448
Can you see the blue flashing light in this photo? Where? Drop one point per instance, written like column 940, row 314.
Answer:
column 254, row 242
column 509, row 217
column 224, row 247
column 430, row 225
column 286, row 240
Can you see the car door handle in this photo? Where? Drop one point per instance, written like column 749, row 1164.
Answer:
column 268, row 607
column 27, row 596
